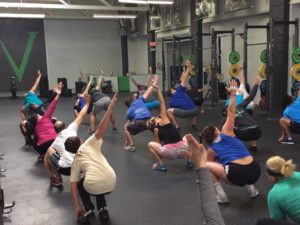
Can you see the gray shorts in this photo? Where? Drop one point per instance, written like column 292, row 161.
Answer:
column 184, row 113
column 101, row 104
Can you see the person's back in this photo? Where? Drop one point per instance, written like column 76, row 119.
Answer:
column 292, row 111
column 99, row 175
column 284, row 198
column 138, row 110
column 180, row 99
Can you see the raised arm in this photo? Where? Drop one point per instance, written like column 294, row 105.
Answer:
column 37, row 82
column 52, row 106
column 229, row 124
column 88, row 86
column 242, row 77
column 151, row 88
column 99, row 82
column 105, row 120
column 133, row 81
column 185, row 73
column 148, row 76
column 84, row 110
column 162, row 105
column 252, row 94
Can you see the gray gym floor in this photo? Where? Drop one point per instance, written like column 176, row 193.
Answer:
column 142, row 196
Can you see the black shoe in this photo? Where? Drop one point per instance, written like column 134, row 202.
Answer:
column 86, row 217
column 103, row 214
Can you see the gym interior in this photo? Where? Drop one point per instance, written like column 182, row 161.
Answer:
column 68, row 41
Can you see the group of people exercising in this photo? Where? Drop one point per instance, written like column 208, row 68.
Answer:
column 225, row 159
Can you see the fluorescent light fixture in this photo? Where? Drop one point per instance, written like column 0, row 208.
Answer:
column 114, row 16
column 20, row 15
column 164, row 2
column 63, row 2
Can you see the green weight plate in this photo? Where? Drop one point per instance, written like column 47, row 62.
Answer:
column 296, row 55
column 263, row 56
column 234, row 57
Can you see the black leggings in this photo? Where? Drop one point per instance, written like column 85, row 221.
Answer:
column 86, row 197
column 272, row 222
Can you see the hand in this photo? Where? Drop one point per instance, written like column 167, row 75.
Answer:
column 86, row 98
column 39, row 73
column 233, row 87
column 199, row 154
column 155, row 80
column 101, row 72
column 187, row 63
column 257, row 80
column 81, row 72
column 58, row 88
column 91, row 78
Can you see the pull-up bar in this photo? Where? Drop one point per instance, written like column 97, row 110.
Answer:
column 263, row 43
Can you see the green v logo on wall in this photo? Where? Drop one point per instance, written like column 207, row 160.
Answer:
column 19, row 71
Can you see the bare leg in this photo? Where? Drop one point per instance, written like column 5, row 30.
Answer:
column 113, row 120
column 129, row 140
column 23, row 113
column 92, row 122
column 285, row 126
column 50, row 169
column 154, row 148
column 217, row 171
column 172, row 117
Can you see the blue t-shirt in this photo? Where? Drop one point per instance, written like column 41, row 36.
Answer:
column 138, row 110
column 81, row 102
column 181, row 100
column 32, row 98
column 292, row 112
column 229, row 149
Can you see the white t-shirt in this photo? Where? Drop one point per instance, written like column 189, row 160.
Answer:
column 66, row 158
column 100, row 177
column 242, row 90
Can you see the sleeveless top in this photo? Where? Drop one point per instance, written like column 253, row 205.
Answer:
column 168, row 134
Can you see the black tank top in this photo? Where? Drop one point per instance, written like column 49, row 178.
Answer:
column 168, row 134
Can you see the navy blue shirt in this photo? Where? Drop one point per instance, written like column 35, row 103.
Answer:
column 181, row 100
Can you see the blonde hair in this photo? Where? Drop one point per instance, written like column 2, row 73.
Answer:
column 281, row 166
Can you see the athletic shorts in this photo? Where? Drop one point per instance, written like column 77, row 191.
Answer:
column 295, row 127
column 173, row 151
column 250, row 134
column 184, row 113
column 137, row 126
column 241, row 175
column 42, row 149
column 101, row 104
column 66, row 171
column 152, row 104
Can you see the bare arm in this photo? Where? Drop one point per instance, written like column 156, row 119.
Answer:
column 151, row 88
column 134, row 82
column 105, row 120
column 184, row 76
column 75, row 198
column 242, row 78
column 229, row 124
column 84, row 110
column 52, row 106
column 88, row 86
column 37, row 82
column 148, row 76
column 162, row 105
column 156, row 135
column 99, row 82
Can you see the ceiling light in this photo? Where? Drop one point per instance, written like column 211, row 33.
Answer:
column 164, row 2
column 113, row 16
column 19, row 15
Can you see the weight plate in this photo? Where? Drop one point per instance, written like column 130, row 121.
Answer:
column 296, row 55
column 262, row 71
column 263, row 88
column 295, row 72
column 234, row 57
column 192, row 59
column 234, row 70
column 263, row 56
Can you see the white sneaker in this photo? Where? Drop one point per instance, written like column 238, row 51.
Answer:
column 220, row 194
column 130, row 148
column 253, row 192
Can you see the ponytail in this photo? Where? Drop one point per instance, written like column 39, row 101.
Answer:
column 288, row 168
column 279, row 167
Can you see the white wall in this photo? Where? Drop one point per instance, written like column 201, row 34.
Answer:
column 86, row 44
column 138, row 55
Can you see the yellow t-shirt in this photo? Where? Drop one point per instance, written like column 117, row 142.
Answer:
column 99, row 175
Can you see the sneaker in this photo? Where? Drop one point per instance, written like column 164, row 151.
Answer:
column 115, row 130
column 189, row 164
column 253, row 192
column 103, row 214
column 287, row 141
column 252, row 148
column 86, row 216
column 130, row 148
column 56, row 182
column 159, row 167
column 220, row 194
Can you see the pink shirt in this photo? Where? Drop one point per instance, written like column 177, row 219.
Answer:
column 44, row 129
